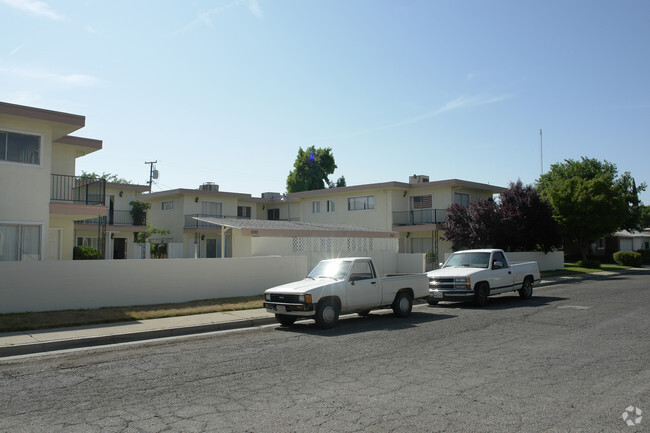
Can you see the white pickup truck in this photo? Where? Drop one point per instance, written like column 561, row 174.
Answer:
column 477, row 274
column 346, row 285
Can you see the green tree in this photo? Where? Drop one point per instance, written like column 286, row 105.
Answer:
column 108, row 177
column 645, row 216
column 311, row 170
column 590, row 200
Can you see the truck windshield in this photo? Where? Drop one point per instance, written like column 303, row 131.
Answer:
column 336, row 270
column 468, row 260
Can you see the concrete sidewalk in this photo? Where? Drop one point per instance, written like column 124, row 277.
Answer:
column 28, row 342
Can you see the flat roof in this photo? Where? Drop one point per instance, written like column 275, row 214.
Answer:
column 252, row 227
column 42, row 114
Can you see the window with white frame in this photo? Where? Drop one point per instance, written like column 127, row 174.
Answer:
column 244, row 211
column 331, row 206
column 461, row 199
column 421, row 202
column 315, row 207
column 20, row 242
column 21, row 148
column 168, row 205
column 211, row 208
column 361, row 203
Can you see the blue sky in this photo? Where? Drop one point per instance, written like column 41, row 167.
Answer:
column 227, row 91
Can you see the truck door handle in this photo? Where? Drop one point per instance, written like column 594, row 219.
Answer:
column 373, row 282
column 509, row 272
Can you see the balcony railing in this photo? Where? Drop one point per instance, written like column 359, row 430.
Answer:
column 118, row 218
column 419, row 217
column 77, row 190
column 190, row 222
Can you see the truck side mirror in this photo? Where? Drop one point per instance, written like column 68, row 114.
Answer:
column 498, row 265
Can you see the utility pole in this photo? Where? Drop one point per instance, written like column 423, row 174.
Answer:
column 151, row 176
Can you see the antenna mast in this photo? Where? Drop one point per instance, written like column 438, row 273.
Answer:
column 541, row 154
column 151, row 173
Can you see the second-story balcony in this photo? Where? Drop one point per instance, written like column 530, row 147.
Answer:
column 190, row 222
column 77, row 190
column 419, row 217
column 115, row 218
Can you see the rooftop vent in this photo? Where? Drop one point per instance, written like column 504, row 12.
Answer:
column 209, row 186
column 271, row 195
column 418, row 178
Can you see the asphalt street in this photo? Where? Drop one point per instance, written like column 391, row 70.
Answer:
column 572, row 358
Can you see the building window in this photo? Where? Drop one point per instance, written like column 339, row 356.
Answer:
column 22, row 148
column 244, row 211
column 361, row 203
column 211, row 208
column 315, row 207
column 168, row 205
column 461, row 199
column 331, row 206
column 422, row 202
column 273, row 214
column 19, row 242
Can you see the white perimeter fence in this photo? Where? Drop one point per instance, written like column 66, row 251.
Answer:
column 82, row 284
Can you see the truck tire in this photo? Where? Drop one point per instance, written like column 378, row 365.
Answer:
column 402, row 304
column 327, row 314
column 481, row 292
column 526, row 290
column 285, row 320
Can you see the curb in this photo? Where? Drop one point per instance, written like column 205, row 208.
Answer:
column 76, row 343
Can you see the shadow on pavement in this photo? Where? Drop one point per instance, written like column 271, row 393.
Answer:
column 375, row 321
column 502, row 302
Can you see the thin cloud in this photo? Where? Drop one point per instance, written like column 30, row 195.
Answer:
column 255, row 9
column 75, row 80
column 34, row 7
column 453, row 105
column 205, row 18
column 15, row 50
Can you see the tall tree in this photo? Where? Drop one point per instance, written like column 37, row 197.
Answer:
column 311, row 170
column 518, row 221
column 526, row 221
column 108, row 177
column 589, row 200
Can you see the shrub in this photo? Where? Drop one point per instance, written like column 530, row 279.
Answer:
column 627, row 258
column 590, row 264
column 86, row 253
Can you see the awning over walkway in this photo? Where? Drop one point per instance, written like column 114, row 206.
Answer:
column 271, row 228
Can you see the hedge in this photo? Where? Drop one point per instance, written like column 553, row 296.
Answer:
column 628, row 258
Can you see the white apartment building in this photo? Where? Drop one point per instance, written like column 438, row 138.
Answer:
column 40, row 196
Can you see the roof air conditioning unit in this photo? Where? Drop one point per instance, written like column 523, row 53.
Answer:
column 271, row 195
column 418, row 178
column 209, row 186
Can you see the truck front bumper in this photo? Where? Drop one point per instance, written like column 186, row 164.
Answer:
column 450, row 295
column 289, row 308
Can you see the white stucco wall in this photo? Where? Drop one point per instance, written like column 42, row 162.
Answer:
column 47, row 286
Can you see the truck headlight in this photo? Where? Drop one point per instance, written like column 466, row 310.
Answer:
column 466, row 281
column 305, row 299
column 267, row 296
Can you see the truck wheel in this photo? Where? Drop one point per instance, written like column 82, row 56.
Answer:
column 327, row 314
column 526, row 290
column 402, row 304
column 285, row 320
column 481, row 292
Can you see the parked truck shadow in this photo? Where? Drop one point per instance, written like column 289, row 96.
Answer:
column 501, row 302
column 375, row 321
